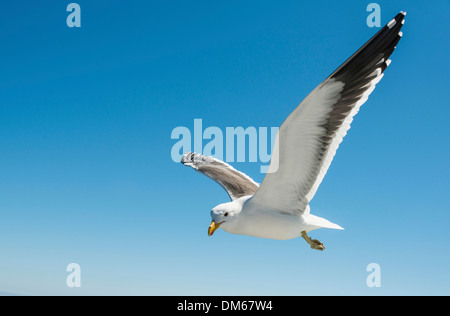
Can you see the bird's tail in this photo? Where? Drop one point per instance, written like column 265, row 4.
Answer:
column 320, row 222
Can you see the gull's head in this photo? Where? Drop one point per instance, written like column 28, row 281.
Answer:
column 224, row 216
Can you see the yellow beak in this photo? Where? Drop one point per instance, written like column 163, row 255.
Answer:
column 213, row 227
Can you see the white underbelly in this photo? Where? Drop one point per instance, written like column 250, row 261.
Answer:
column 270, row 225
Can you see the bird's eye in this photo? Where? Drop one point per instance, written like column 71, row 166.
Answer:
column 226, row 214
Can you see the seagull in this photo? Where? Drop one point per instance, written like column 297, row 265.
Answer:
column 304, row 147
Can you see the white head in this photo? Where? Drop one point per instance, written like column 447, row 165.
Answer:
column 225, row 215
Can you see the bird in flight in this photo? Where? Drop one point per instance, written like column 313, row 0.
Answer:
column 303, row 150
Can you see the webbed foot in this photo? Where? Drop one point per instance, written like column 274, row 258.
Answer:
column 314, row 243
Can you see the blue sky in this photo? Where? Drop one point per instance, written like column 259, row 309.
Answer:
column 86, row 175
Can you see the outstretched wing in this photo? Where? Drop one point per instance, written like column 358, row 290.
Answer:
column 236, row 183
column 307, row 141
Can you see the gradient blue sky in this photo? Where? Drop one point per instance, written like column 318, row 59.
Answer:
column 86, row 174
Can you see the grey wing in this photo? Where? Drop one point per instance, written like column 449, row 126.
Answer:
column 236, row 183
column 307, row 141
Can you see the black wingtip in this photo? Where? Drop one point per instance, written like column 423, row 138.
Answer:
column 379, row 47
column 399, row 17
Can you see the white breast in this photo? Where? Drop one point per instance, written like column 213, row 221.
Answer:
column 265, row 223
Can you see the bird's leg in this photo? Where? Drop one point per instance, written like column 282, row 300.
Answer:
column 314, row 243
